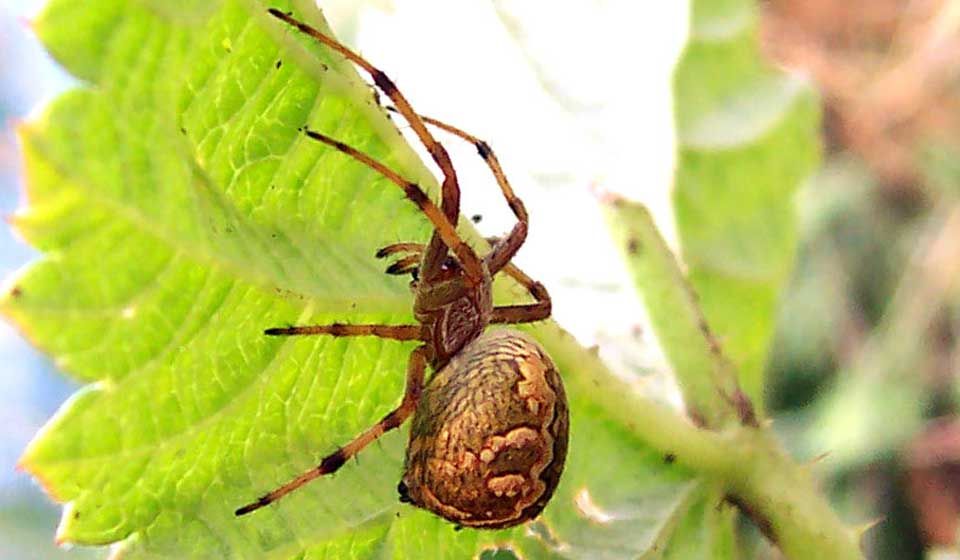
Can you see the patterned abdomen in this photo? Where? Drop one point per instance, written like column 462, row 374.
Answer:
column 489, row 437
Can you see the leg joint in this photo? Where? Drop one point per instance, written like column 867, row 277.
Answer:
column 383, row 82
column 415, row 194
column 332, row 462
column 483, row 149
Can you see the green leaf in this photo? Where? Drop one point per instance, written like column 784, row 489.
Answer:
column 180, row 213
column 748, row 137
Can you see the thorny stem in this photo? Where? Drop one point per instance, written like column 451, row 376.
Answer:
column 780, row 495
column 707, row 379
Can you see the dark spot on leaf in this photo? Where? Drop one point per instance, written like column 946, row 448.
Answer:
column 76, row 514
column 278, row 64
column 501, row 553
column 183, row 130
column 16, row 292
column 633, row 246
column 669, row 458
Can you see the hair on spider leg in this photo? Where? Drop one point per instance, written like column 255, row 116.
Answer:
column 453, row 306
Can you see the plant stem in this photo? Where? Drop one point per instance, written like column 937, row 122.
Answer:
column 783, row 498
column 706, row 378
column 758, row 475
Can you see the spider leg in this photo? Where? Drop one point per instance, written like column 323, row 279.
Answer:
column 473, row 269
column 392, row 332
column 332, row 462
column 524, row 313
column 409, row 264
column 404, row 265
column 507, row 247
column 450, row 190
column 400, row 248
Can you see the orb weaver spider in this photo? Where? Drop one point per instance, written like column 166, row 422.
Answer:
column 489, row 434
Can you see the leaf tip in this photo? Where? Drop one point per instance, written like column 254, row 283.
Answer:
column 28, row 23
column 67, row 518
column 604, row 196
column 26, row 465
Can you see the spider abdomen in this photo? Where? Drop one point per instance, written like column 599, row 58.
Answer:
column 489, row 437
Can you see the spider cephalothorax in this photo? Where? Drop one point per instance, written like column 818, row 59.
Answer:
column 452, row 314
column 489, row 434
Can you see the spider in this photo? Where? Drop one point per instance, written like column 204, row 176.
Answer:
column 489, row 434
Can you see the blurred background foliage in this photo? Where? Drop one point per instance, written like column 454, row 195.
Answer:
column 865, row 364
